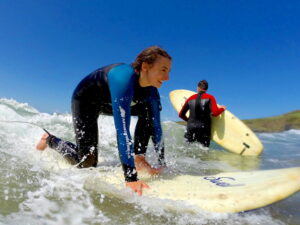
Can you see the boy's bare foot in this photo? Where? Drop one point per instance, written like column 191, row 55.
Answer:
column 42, row 145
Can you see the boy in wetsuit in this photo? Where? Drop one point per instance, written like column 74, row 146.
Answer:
column 201, row 106
column 120, row 90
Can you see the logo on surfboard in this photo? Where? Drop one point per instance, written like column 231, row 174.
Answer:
column 221, row 181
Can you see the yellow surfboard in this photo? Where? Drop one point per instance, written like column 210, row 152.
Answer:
column 227, row 130
column 223, row 192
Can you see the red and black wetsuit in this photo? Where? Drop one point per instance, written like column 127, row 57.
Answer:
column 201, row 107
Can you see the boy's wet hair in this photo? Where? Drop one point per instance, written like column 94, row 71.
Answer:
column 149, row 55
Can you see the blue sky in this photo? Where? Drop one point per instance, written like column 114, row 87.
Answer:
column 249, row 51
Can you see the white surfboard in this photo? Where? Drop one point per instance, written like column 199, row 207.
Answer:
column 227, row 130
column 223, row 192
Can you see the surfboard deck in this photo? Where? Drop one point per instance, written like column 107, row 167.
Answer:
column 223, row 192
column 227, row 130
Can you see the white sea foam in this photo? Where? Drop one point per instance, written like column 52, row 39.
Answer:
column 47, row 190
column 18, row 106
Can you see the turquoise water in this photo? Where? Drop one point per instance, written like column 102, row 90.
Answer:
column 40, row 188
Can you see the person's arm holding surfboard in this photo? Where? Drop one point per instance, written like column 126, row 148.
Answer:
column 153, row 129
column 215, row 109
column 183, row 111
column 121, row 94
column 152, row 73
column 157, row 136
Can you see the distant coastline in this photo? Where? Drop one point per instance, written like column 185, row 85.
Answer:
column 279, row 123
column 272, row 124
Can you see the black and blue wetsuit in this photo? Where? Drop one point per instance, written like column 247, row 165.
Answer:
column 113, row 90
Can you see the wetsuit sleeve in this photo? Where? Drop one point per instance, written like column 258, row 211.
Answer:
column 157, row 137
column 215, row 110
column 184, row 109
column 121, row 83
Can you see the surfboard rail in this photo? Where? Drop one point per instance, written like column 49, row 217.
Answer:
column 227, row 192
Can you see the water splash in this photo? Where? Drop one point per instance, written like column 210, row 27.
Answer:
column 41, row 188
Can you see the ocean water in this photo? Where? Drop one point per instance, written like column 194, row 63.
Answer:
column 39, row 188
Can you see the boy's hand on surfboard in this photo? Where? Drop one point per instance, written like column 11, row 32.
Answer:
column 155, row 171
column 137, row 186
column 142, row 164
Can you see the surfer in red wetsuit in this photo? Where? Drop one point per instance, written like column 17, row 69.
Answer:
column 201, row 107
